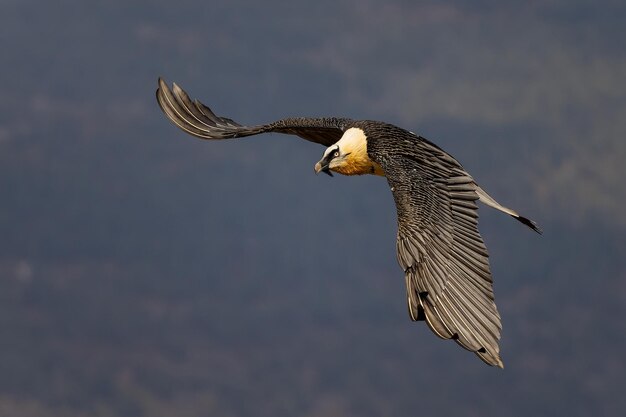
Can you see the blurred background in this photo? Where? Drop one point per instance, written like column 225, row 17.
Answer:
column 147, row 273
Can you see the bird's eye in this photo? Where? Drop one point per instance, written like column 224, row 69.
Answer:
column 335, row 154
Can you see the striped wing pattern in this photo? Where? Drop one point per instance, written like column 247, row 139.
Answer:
column 198, row 120
column 439, row 247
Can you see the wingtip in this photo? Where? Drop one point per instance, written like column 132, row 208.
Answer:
column 499, row 363
column 162, row 88
column 177, row 90
column 491, row 359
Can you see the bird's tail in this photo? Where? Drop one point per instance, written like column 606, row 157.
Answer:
column 488, row 200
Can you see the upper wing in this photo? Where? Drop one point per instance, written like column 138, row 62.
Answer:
column 440, row 249
column 198, row 120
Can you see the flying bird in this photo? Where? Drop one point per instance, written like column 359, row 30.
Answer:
column 444, row 259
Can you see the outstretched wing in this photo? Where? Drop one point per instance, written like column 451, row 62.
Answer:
column 440, row 249
column 198, row 120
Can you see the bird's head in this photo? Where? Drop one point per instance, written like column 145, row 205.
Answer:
column 348, row 156
column 332, row 159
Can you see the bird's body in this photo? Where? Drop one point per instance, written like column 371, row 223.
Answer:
column 443, row 256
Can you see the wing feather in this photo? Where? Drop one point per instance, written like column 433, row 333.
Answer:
column 199, row 120
column 439, row 247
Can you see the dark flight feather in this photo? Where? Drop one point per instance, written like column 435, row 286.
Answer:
column 439, row 246
column 199, row 120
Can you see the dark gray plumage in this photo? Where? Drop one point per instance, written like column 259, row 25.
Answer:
column 198, row 120
column 443, row 256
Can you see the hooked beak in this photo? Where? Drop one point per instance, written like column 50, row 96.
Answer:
column 322, row 168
